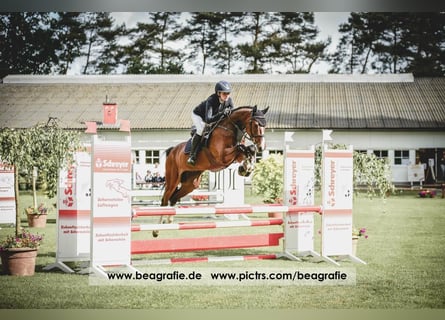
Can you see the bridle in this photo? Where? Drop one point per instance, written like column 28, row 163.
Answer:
column 260, row 120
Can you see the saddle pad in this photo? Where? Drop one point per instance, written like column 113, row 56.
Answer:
column 188, row 146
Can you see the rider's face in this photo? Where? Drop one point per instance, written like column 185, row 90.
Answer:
column 223, row 96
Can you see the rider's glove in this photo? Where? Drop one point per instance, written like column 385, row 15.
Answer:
column 227, row 111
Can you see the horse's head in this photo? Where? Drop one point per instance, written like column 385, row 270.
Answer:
column 257, row 126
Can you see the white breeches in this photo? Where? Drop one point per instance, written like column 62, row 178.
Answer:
column 199, row 123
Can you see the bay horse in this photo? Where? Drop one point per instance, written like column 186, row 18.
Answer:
column 225, row 145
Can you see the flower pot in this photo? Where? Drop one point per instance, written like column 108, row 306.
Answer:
column 354, row 245
column 19, row 261
column 37, row 220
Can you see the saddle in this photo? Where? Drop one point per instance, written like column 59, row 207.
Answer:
column 204, row 140
column 206, row 134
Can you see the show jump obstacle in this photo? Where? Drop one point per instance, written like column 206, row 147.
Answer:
column 218, row 242
column 111, row 214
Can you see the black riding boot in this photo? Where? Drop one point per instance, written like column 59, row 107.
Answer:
column 195, row 143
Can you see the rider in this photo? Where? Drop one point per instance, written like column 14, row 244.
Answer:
column 218, row 104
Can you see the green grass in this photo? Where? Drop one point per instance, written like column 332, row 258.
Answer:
column 405, row 255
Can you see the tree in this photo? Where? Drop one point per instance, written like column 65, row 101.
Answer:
column 425, row 40
column 101, row 49
column 166, row 30
column 27, row 43
column 360, row 36
column 149, row 51
column 69, row 34
column 260, row 27
column 297, row 46
column 268, row 178
column 225, row 51
column 46, row 147
column 202, row 34
column 392, row 43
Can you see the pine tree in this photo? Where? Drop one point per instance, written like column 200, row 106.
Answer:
column 27, row 43
column 392, row 43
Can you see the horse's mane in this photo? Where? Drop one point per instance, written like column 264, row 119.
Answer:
column 167, row 152
column 243, row 107
column 258, row 115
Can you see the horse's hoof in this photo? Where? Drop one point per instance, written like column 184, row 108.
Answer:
column 155, row 233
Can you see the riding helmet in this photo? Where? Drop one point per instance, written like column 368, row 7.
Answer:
column 223, row 86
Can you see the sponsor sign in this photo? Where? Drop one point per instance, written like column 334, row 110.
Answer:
column 74, row 208
column 337, row 202
column 299, row 191
column 7, row 194
column 111, row 201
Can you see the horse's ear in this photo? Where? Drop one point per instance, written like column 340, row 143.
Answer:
column 264, row 111
column 254, row 108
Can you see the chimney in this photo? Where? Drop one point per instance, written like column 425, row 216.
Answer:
column 109, row 112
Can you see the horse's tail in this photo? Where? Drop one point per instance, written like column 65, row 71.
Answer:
column 167, row 152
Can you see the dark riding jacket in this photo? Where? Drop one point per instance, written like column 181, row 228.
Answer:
column 211, row 110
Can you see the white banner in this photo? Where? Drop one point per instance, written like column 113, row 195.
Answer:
column 7, row 194
column 111, row 202
column 74, row 208
column 299, row 191
column 337, row 202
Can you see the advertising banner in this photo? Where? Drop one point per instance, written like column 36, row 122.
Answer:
column 299, row 191
column 73, row 214
column 74, row 205
column 7, row 194
column 337, row 202
column 111, row 201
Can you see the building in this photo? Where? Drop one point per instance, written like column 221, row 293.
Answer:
column 397, row 117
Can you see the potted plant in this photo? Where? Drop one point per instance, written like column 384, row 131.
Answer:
column 267, row 180
column 356, row 234
column 18, row 253
column 37, row 217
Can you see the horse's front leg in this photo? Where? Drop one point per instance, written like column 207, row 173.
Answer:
column 248, row 162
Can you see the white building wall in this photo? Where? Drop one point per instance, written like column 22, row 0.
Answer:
column 370, row 141
column 360, row 140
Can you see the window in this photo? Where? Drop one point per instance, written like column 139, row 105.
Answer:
column 137, row 156
column 401, row 157
column 382, row 154
column 260, row 155
column 152, row 156
column 275, row 151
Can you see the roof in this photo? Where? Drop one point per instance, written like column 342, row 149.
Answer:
column 165, row 101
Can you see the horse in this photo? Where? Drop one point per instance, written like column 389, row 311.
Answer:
column 225, row 145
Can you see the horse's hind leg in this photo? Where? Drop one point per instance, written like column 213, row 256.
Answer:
column 169, row 197
column 170, row 188
column 168, row 194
